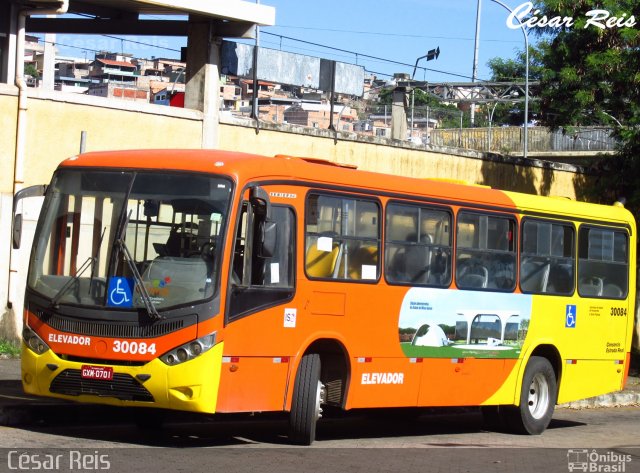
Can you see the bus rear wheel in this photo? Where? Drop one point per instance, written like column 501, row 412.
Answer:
column 537, row 398
column 308, row 395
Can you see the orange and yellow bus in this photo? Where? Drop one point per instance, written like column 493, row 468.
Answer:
column 219, row 282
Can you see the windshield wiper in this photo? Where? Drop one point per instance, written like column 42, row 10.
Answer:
column 146, row 299
column 89, row 262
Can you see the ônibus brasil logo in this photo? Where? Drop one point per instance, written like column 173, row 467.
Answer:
column 583, row 459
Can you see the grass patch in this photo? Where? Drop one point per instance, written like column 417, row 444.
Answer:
column 10, row 349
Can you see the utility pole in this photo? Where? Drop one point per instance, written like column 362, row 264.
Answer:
column 474, row 74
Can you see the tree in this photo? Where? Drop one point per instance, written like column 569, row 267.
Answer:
column 448, row 115
column 513, row 70
column 591, row 76
column 31, row 70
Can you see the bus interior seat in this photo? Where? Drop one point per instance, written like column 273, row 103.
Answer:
column 439, row 267
column 417, row 260
column 320, row 263
column 400, row 229
column 365, row 255
column 472, row 275
column 592, row 286
column 182, row 241
column 534, row 275
column 611, row 290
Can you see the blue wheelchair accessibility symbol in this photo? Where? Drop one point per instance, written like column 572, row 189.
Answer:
column 119, row 292
column 571, row 316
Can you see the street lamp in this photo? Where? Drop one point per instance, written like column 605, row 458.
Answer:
column 526, row 77
column 493, row 109
column 431, row 55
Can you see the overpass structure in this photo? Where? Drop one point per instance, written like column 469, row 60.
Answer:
column 475, row 92
column 41, row 127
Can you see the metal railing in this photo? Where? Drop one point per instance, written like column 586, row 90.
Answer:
column 425, row 125
column 507, row 140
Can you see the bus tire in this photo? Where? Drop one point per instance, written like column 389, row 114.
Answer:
column 307, row 397
column 538, row 397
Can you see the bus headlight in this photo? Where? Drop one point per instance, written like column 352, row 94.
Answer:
column 189, row 351
column 33, row 341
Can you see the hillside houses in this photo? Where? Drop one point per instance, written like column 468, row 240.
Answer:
column 160, row 81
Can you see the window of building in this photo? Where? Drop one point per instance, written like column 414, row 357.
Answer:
column 485, row 252
column 547, row 263
column 342, row 238
column 603, row 263
column 418, row 245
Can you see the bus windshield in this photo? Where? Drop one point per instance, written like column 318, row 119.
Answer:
column 129, row 239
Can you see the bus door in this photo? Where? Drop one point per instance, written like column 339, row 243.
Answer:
column 259, row 314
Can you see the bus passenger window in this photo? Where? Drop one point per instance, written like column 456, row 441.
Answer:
column 485, row 252
column 342, row 238
column 603, row 263
column 547, row 263
column 418, row 245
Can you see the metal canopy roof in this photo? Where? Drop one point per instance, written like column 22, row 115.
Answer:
column 233, row 18
column 235, row 10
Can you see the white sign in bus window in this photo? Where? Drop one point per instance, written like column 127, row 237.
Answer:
column 369, row 271
column 275, row 273
column 325, row 244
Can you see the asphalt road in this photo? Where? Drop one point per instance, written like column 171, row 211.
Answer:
column 51, row 435
column 438, row 440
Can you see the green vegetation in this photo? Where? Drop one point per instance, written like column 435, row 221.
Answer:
column 591, row 77
column 31, row 70
column 512, row 70
column 9, row 348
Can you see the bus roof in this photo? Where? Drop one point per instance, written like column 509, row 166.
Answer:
column 244, row 167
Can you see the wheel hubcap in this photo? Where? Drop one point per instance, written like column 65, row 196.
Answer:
column 538, row 399
column 321, row 396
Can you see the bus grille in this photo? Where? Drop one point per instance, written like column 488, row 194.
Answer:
column 111, row 329
column 122, row 386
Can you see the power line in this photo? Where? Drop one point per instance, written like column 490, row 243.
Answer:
column 81, row 48
column 400, row 35
column 376, row 58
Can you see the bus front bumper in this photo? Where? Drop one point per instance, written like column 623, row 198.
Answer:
column 189, row 386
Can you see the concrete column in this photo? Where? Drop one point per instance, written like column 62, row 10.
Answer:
column 8, row 21
column 48, row 68
column 399, row 114
column 203, row 77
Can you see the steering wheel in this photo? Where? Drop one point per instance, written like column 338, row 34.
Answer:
column 207, row 249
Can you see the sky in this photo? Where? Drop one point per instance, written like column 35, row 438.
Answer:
column 398, row 30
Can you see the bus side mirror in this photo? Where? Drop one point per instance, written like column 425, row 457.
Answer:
column 268, row 239
column 32, row 191
column 17, row 231
column 260, row 202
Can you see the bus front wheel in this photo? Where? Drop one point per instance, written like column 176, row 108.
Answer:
column 537, row 398
column 308, row 395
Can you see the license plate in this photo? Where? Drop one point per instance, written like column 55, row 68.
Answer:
column 97, row 372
